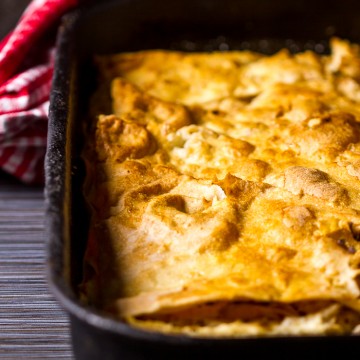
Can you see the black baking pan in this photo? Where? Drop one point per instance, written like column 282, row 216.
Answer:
column 191, row 25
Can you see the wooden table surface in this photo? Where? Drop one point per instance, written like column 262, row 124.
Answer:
column 32, row 324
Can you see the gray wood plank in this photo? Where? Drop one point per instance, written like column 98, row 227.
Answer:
column 32, row 324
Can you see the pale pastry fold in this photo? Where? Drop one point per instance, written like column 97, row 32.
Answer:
column 224, row 192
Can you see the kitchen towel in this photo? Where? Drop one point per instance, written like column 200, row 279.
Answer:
column 26, row 68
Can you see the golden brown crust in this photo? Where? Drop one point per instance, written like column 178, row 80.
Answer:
column 224, row 193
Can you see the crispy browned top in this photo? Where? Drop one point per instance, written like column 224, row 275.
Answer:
column 226, row 177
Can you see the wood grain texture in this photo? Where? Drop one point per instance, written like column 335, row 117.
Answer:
column 32, row 324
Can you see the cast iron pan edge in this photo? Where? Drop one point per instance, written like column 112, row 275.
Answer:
column 57, row 196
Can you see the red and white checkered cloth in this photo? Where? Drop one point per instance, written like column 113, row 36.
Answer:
column 26, row 67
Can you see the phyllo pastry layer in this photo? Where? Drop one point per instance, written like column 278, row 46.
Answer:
column 224, row 192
